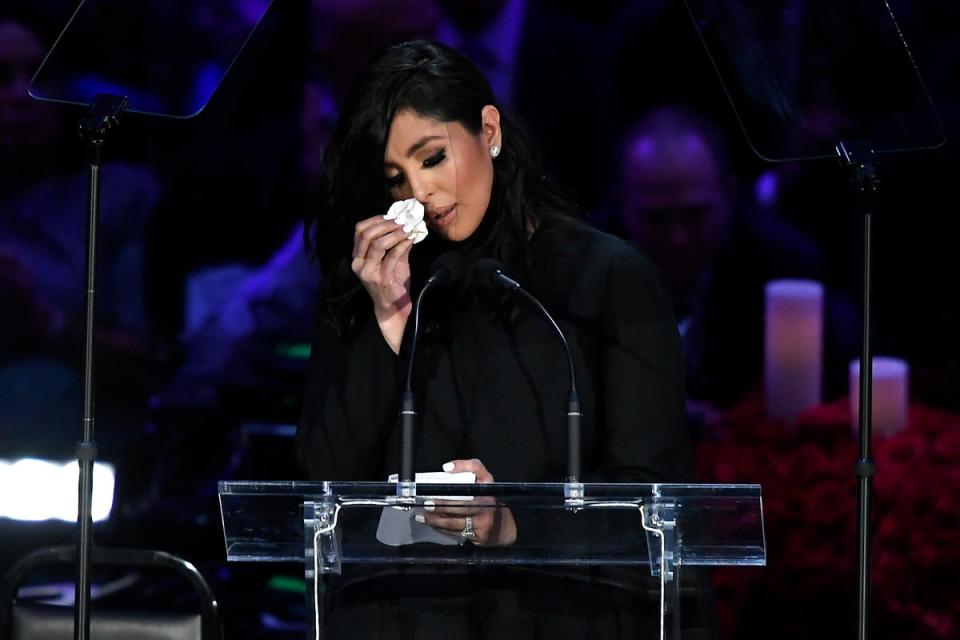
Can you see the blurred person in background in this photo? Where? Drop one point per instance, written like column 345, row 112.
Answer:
column 679, row 201
column 237, row 315
column 43, row 226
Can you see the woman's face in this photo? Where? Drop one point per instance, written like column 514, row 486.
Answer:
column 445, row 167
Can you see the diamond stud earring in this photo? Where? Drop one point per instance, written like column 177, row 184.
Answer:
column 494, row 151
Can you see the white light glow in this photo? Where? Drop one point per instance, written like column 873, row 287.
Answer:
column 35, row 490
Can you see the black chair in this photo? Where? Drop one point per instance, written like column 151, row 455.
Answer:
column 20, row 620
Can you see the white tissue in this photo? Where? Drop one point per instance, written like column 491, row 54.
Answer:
column 409, row 214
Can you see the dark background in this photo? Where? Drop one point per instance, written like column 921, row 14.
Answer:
column 233, row 183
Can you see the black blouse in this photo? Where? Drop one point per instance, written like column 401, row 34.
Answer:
column 495, row 388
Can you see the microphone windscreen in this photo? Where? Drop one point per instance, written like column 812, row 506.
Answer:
column 487, row 269
column 448, row 268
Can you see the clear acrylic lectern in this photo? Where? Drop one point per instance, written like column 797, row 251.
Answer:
column 659, row 528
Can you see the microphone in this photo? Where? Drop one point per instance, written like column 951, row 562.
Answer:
column 493, row 272
column 445, row 270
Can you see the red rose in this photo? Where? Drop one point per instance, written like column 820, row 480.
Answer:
column 806, row 470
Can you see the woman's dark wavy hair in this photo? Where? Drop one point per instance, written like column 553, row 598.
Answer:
column 436, row 82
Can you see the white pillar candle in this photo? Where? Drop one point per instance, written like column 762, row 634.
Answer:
column 793, row 346
column 891, row 395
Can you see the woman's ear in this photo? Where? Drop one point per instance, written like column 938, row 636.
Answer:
column 491, row 134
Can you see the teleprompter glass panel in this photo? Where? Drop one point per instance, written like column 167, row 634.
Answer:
column 803, row 76
column 167, row 57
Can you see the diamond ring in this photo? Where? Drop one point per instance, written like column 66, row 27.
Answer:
column 468, row 534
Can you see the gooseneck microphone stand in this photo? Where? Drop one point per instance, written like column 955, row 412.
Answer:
column 493, row 271
column 408, row 410
column 573, row 399
column 102, row 115
column 446, row 269
column 861, row 167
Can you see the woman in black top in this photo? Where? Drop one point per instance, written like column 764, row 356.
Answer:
column 490, row 374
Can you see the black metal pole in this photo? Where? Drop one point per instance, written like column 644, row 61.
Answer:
column 573, row 436
column 866, row 184
column 865, row 467
column 103, row 114
column 86, row 449
column 408, row 417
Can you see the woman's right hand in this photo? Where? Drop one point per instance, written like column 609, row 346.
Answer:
column 380, row 259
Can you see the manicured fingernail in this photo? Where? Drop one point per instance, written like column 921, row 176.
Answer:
column 448, row 466
column 429, row 505
column 419, row 518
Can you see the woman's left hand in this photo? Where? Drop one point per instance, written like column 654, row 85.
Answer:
column 492, row 525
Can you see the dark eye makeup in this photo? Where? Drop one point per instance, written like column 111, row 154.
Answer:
column 395, row 181
column 435, row 159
